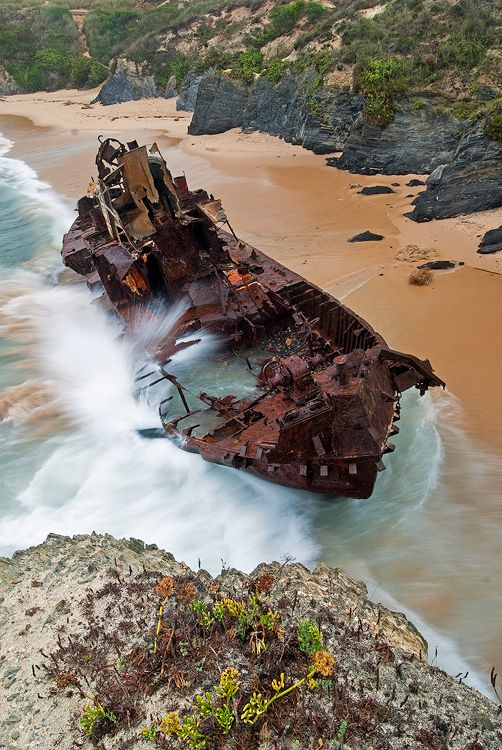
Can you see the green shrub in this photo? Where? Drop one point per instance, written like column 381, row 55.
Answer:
column 108, row 34
column 381, row 81
column 247, row 65
column 463, row 109
column 284, row 18
column 315, row 11
column 493, row 128
column 309, row 637
column 57, row 68
column 275, row 69
column 461, row 51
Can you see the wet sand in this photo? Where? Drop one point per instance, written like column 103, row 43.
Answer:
column 287, row 202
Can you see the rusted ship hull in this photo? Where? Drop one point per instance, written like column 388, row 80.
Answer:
column 327, row 386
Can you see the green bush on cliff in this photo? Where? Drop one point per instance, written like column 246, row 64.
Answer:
column 275, row 69
column 493, row 128
column 247, row 65
column 51, row 68
column 461, row 51
column 108, row 34
column 381, row 82
column 284, row 18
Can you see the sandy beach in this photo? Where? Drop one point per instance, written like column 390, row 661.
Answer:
column 287, row 202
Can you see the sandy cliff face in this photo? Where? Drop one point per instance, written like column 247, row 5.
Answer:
column 79, row 615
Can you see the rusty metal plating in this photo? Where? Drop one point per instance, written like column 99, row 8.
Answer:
column 328, row 386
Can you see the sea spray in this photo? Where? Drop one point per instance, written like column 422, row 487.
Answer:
column 418, row 535
column 32, row 216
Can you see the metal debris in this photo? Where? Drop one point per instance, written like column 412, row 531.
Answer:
column 328, row 386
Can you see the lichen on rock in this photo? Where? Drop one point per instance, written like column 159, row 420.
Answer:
column 115, row 643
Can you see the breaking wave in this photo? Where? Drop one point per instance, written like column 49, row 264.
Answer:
column 101, row 475
column 67, row 368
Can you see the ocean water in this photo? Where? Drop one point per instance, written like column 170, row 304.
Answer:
column 71, row 460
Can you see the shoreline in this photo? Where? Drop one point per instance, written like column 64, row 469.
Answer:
column 290, row 204
column 299, row 201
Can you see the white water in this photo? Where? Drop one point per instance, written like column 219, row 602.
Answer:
column 415, row 538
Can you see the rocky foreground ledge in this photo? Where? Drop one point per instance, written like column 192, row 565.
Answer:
column 114, row 643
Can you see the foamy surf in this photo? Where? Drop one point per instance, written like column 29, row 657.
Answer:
column 418, row 535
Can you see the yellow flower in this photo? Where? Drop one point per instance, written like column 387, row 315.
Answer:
column 229, row 683
column 171, row 723
column 278, row 685
column 323, row 663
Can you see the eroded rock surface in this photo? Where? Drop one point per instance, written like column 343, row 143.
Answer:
column 470, row 181
column 94, row 600
column 129, row 82
column 491, row 242
column 417, row 142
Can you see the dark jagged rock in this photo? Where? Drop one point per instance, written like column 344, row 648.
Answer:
column 417, row 141
column 464, row 164
column 376, row 190
column 187, row 95
column 491, row 242
column 439, row 265
column 219, row 106
column 128, row 82
column 366, row 237
column 472, row 181
column 283, row 109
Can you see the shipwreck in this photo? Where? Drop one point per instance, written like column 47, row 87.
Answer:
column 325, row 395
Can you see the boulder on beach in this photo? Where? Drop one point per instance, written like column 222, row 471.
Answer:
column 376, row 190
column 415, row 183
column 491, row 242
column 366, row 237
column 440, row 265
column 471, row 180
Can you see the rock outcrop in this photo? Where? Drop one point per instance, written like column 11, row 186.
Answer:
column 187, row 95
column 7, row 84
column 286, row 109
column 219, row 105
column 491, row 242
column 470, row 181
column 80, row 623
column 416, row 142
column 366, row 236
column 129, row 82
column 465, row 165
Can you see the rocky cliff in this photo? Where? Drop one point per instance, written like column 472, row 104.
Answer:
column 129, row 82
column 324, row 120
column 471, row 180
column 285, row 109
column 7, row 84
column 110, row 643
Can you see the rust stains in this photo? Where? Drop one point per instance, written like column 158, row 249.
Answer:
column 325, row 388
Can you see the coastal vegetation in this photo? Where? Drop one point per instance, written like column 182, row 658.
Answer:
column 446, row 53
column 141, row 651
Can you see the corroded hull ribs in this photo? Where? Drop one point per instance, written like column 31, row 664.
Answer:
column 326, row 386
